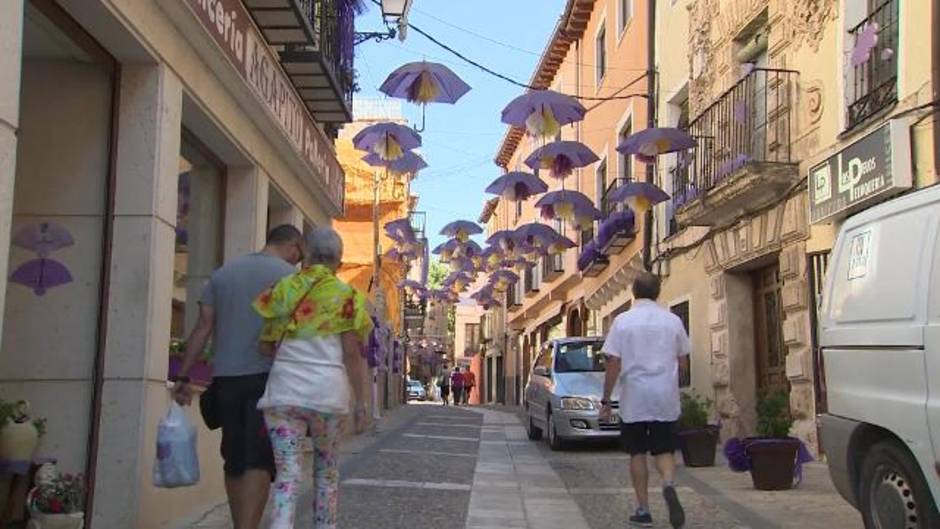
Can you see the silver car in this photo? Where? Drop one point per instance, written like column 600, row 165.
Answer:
column 562, row 397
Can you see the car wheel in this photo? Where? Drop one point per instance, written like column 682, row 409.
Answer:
column 534, row 432
column 893, row 493
column 554, row 442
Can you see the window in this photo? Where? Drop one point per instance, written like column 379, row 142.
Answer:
column 472, row 338
column 626, row 13
column 518, row 209
column 579, row 357
column 682, row 311
column 600, row 177
column 872, row 84
column 626, row 160
column 600, row 54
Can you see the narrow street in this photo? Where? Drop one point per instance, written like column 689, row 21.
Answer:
column 431, row 466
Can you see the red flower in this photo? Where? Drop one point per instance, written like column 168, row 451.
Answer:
column 349, row 309
column 55, row 506
column 306, row 309
column 265, row 298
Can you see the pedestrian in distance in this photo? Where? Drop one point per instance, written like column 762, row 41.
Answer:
column 240, row 370
column 456, row 382
column 469, row 381
column 444, row 384
column 644, row 348
column 318, row 326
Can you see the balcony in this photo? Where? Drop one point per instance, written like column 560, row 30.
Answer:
column 419, row 221
column 743, row 160
column 592, row 261
column 616, row 231
column 314, row 49
column 415, row 312
column 873, row 86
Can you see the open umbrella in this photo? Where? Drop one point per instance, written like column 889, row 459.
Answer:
column 400, row 230
column 425, row 82
column 516, row 186
column 561, row 157
column 650, row 143
column 446, row 249
column 461, row 230
column 639, row 196
column 409, row 163
column 543, row 112
column 559, row 245
column 387, row 140
column 501, row 280
column 572, row 206
column 458, row 281
column 411, row 286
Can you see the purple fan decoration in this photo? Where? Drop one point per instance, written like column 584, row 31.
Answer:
column 864, row 43
column 561, row 157
column 43, row 237
column 41, row 274
column 517, row 185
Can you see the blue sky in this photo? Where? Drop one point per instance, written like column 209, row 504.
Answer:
column 460, row 141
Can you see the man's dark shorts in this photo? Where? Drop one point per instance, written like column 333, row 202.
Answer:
column 245, row 441
column 654, row 438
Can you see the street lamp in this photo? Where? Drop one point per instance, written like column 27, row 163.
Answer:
column 395, row 10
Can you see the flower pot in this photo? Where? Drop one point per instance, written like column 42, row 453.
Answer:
column 698, row 446
column 18, row 440
column 39, row 520
column 773, row 462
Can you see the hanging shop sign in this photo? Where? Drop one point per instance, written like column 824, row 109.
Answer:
column 866, row 171
column 231, row 27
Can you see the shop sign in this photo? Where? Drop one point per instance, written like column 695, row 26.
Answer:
column 231, row 27
column 870, row 169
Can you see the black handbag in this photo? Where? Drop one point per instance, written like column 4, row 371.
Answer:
column 209, row 407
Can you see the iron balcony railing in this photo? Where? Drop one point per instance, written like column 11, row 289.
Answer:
column 608, row 206
column 334, row 30
column 553, row 265
column 419, row 220
column 749, row 123
column 873, row 85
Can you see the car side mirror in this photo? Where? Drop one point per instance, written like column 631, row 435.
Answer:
column 542, row 371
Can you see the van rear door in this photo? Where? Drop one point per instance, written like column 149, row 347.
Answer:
column 874, row 317
column 932, row 354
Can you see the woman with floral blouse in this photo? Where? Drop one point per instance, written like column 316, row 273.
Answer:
column 317, row 325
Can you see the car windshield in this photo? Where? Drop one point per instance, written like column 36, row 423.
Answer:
column 579, row 357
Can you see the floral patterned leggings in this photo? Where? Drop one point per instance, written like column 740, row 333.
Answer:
column 287, row 427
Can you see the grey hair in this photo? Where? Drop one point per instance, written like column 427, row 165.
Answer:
column 324, row 246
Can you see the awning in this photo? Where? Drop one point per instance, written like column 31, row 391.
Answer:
column 554, row 309
column 615, row 284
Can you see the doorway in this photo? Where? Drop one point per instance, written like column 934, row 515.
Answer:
column 768, row 331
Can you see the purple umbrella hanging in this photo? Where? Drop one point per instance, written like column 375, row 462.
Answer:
column 411, row 286
column 572, row 206
column 43, row 237
column 446, row 249
column 561, row 158
column 535, row 234
column 516, row 186
column 647, row 144
column 409, row 163
column 41, row 275
column 503, row 239
column 400, row 230
column 640, row 196
column 543, row 112
column 387, row 140
column 461, row 230
column 425, row 82
column 501, row 280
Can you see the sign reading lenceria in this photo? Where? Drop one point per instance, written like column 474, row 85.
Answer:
column 876, row 166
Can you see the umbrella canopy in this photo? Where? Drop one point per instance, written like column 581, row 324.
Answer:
column 400, row 230
column 387, row 140
column 543, row 112
column 458, row 281
column 561, row 157
column 425, row 82
column 535, row 234
column 409, row 162
column 572, row 206
column 401, row 255
column 501, row 280
column 560, row 244
column 640, row 196
column 446, row 250
column 516, row 186
column 411, row 286
column 504, row 240
column 650, row 143
column 461, row 230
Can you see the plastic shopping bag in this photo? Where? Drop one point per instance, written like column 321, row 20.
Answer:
column 177, row 462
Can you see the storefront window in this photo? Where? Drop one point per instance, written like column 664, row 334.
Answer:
column 199, row 234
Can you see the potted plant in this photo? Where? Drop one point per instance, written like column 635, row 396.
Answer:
column 19, row 433
column 56, row 502
column 201, row 372
column 697, row 439
column 773, row 457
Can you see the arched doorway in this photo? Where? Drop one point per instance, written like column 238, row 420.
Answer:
column 575, row 325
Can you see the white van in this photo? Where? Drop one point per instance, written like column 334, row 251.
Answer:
column 879, row 333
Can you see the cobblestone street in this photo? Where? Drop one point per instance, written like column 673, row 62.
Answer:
column 431, row 466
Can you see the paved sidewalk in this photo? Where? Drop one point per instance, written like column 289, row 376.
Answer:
column 513, row 485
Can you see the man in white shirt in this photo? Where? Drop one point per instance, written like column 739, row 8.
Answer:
column 644, row 348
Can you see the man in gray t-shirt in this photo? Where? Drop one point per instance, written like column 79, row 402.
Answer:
column 239, row 369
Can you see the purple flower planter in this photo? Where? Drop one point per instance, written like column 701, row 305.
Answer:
column 200, row 374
